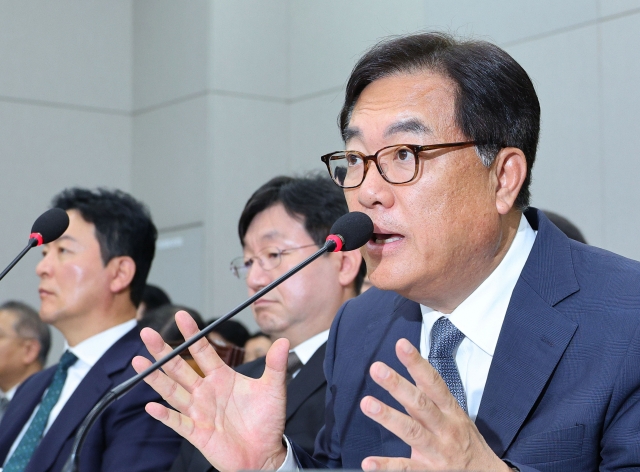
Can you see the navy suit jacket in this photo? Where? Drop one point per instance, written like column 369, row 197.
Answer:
column 304, row 417
column 123, row 439
column 563, row 390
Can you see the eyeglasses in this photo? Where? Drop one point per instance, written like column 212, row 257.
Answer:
column 268, row 258
column 397, row 164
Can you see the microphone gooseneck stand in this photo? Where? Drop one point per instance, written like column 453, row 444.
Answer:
column 33, row 242
column 73, row 463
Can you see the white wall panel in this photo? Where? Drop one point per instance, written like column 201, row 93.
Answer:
column 505, row 21
column 70, row 52
column 621, row 134
column 314, row 130
column 249, row 48
column 170, row 50
column 169, row 168
column 616, row 7
column 328, row 37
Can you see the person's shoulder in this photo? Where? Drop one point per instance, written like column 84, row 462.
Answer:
column 253, row 369
column 374, row 305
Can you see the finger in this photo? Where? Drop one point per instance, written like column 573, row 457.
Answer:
column 415, row 401
column 177, row 368
column 425, row 376
column 170, row 390
column 404, row 426
column 391, row 463
column 202, row 351
column 181, row 424
column 275, row 371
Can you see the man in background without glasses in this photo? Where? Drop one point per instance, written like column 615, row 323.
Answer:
column 24, row 345
column 492, row 341
column 284, row 222
column 91, row 280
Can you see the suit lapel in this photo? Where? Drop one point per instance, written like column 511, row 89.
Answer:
column 405, row 322
column 309, row 379
column 532, row 340
column 18, row 413
column 95, row 384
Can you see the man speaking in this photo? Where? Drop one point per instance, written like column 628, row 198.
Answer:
column 492, row 342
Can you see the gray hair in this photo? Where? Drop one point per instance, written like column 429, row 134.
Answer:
column 29, row 326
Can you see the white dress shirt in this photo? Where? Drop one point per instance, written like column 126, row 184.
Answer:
column 480, row 318
column 306, row 349
column 11, row 392
column 88, row 352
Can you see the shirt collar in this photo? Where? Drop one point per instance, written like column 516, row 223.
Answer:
column 307, row 348
column 479, row 317
column 11, row 392
column 91, row 349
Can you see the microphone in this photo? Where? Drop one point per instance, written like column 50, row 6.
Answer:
column 349, row 232
column 48, row 227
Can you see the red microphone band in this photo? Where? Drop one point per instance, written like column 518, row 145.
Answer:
column 336, row 239
column 36, row 236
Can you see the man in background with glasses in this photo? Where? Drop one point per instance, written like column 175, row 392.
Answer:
column 491, row 341
column 284, row 222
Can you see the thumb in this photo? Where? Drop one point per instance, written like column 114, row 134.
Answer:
column 275, row 370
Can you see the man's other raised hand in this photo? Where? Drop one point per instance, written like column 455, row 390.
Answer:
column 236, row 422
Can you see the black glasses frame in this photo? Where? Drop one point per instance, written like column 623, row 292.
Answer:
column 415, row 148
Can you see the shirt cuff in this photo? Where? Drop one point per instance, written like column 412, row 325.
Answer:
column 290, row 462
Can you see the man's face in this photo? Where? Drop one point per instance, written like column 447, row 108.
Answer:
column 12, row 351
column 73, row 279
column 438, row 232
column 296, row 302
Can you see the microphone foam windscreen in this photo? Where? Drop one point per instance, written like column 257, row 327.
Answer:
column 355, row 228
column 51, row 224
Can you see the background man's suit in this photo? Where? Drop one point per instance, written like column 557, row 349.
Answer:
column 124, row 438
column 305, row 410
column 563, row 391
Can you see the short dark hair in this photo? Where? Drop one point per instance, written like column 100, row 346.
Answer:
column 123, row 228
column 313, row 199
column 153, row 297
column 29, row 325
column 496, row 103
column 233, row 331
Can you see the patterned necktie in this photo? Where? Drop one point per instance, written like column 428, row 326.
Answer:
column 33, row 435
column 4, row 403
column 294, row 364
column 445, row 338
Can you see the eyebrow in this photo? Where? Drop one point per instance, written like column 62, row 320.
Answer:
column 350, row 133
column 412, row 125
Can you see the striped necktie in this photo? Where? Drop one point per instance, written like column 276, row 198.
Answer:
column 31, row 439
column 294, row 364
column 445, row 339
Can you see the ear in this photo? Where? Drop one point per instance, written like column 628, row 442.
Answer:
column 509, row 173
column 31, row 350
column 349, row 267
column 122, row 269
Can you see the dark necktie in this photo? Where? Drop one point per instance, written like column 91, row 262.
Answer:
column 294, row 364
column 445, row 338
column 33, row 435
column 4, row 403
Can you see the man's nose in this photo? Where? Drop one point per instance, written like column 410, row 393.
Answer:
column 44, row 266
column 374, row 189
column 257, row 277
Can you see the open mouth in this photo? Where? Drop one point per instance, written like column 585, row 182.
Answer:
column 385, row 238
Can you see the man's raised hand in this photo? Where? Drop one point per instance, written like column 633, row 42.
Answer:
column 236, row 422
